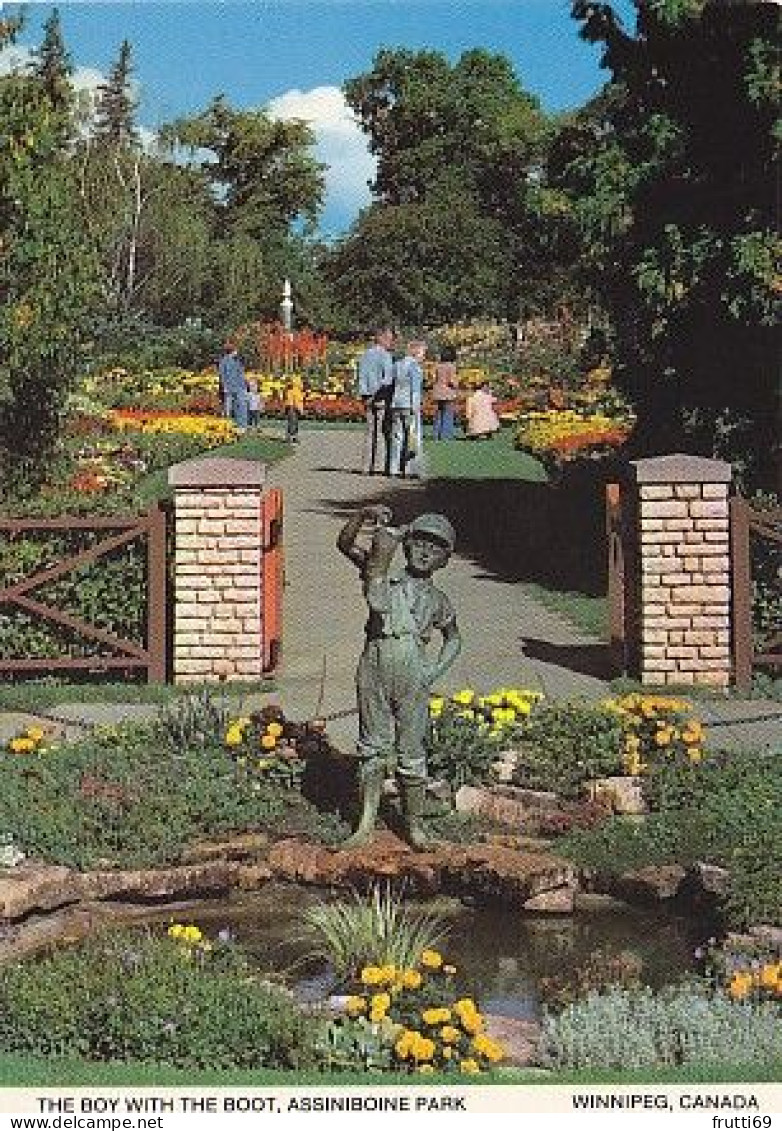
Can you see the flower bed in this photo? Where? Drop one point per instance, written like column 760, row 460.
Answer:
column 559, row 436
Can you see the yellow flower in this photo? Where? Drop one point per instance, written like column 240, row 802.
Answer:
column 411, row 979
column 468, row 1015
column 436, row 1016
column 274, row 729
column 192, row 934
column 663, row 737
column 470, row 1067
column 21, row 745
column 486, row 1047
column 431, row 959
column 449, row 1035
column 447, row 1053
column 355, row 1005
column 378, row 1006
column 388, row 972
column 425, row 1069
column 694, row 753
column 233, row 736
column 35, row 733
column 465, row 697
column 436, row 705
column 769, row 976
column 371, row 976
column 175, row 931
column 740, row 986
column 422, row 1048
column 268, row 741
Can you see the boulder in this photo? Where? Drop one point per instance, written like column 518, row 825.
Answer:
column 558, row 901
column 618, row 794
column 507, row 805
column 650, row 885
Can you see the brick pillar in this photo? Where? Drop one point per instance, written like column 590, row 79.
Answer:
column 217, row 569
column 683, row 594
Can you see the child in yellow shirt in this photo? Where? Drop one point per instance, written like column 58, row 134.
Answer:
column 294, row 407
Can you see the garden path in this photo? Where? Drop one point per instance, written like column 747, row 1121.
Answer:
column 324, row 611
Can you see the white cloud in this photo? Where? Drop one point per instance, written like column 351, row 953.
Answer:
column 341, row 146
column 14, row 58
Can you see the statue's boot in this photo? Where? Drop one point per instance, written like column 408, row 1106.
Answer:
column 413, row 796
column 371, row 777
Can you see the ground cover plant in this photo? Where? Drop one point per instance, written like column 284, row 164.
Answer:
column 643, row 1029
column 724, row 809
column 180, row 999
column 138, row 795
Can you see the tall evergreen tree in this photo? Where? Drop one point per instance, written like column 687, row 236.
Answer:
column 115, row 112
column 53, row 64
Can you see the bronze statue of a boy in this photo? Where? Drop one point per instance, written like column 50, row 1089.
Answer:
column 394, row 674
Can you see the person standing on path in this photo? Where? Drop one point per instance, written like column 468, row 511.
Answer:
column 233, row 386
column 444, row 394
column 375, row 378
column 294, row 407
column 406, row 456
column 395, row 675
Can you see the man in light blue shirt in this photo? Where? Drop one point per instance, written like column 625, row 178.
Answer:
column 406, row 432
column 375, row 378
column 233, row 386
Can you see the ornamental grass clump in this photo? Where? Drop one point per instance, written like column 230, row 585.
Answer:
column 132, row 995
column 378, row 925
column 412, row 1019
column 644, row 1029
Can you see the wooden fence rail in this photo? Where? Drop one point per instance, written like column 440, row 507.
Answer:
column 126, row 654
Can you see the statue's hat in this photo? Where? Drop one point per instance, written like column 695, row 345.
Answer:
column 436, row 526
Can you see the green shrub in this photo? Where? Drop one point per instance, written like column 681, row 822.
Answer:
column 564, row 745
column 461, row 749
column 643, row 1029
column 131, row 996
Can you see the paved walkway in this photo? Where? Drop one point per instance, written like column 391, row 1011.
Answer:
column 509, row 638
column 324, row 611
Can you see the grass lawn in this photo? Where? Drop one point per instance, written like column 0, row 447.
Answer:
column 481, row 459
column 37, row 695
column 28, row 1071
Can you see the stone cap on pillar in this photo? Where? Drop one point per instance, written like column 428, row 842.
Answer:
column 681, row 468
column 217, row 471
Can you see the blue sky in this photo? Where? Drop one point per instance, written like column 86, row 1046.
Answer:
column 293, row 55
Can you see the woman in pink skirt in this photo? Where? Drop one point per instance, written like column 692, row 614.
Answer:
column 482, row 420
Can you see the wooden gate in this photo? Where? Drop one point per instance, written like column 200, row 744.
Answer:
column 272, row 579
column 623, row 578
column 750, row 586
column 125, row 653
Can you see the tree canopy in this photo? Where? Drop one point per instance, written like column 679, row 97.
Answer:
column 671, row 179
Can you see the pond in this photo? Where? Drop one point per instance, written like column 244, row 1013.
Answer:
column 503, row 957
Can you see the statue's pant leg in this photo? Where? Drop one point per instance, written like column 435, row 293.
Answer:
column 375, row 712
column 412, row 719
column 376, row 737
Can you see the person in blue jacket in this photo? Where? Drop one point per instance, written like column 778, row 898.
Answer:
column 233, row 386
column 375, row 376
